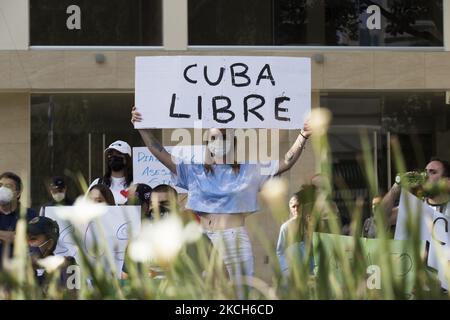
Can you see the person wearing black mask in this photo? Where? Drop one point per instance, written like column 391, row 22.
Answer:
column 42, row 237
column 119, row 172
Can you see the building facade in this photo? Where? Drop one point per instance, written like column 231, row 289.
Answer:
column 67, row 79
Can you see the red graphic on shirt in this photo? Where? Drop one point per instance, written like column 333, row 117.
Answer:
column 124, row 193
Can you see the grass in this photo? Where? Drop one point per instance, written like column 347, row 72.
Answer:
column 345, row 267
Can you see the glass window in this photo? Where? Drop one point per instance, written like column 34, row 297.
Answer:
column 420, row 122
column 69, row 133
column 316, row 22
column 95, row 23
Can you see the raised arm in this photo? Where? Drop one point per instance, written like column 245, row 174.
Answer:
column 388, row 203
column 296, row 150
column 153, row 144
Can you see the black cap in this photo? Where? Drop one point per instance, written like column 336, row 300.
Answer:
column 143, row 192
column 57, row 183
column 43, row 225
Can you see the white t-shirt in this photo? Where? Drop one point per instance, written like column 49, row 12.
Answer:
column 118, row 188
column 442, row 208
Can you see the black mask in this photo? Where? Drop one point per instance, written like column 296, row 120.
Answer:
column 116, row 163
column 35, row 252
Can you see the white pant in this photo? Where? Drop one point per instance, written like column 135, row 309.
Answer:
column 235, row 247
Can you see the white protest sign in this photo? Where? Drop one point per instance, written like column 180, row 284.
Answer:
column 433, row 229
column 116, row 225
column 439, row 251
column 147, row 168
column 399, row 252
column 420, row 211
column 222, row 92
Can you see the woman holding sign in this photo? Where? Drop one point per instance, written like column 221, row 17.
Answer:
column 223, row 193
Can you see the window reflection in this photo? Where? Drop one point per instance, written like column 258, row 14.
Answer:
column 420, row 122
column 96, row 22
column 69, row 133
column 316, row 22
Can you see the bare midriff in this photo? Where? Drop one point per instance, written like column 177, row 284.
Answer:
column 222, row 221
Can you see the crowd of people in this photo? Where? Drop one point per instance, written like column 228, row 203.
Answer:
column 434, row 191
column 114, row 188
column 220, row 196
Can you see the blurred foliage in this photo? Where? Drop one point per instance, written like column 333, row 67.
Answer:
column 343, row 265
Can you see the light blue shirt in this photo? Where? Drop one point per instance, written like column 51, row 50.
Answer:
column 290, row 253
column 223, row 190
column 281, row 247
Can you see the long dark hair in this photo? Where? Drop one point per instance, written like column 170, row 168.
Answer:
column 235, row 166
column 106, row 193
column 106, row 179
column 306, row 197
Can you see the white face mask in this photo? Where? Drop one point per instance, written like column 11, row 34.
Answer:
column 219, row 148
column 58, row 197
column 6, row 197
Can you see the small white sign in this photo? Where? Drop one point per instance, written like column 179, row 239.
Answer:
column 147, row 168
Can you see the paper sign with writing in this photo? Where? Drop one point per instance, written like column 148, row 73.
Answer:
column 116, row 225
column 434, row 229
column 147, row 168
column 223, row 92
column 399, row 252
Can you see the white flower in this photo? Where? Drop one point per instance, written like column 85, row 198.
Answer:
column 83, row 211
column 140, row 251
column 192, row 232
column 275, row 191
column 160, row 241
column 320, row 120
column 51, row 263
